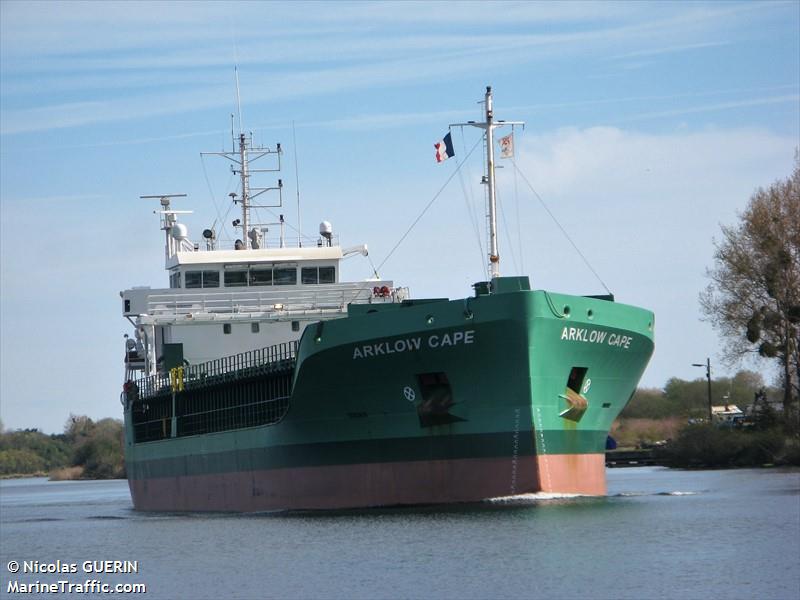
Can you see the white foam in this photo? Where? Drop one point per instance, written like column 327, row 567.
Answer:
column 537, row 497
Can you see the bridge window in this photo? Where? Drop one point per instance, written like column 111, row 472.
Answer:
column 202, row 279
column 309, row 275
column 312, row 275
column 258, row 276
column 327, row 275
column 175, row 279
column 284, row 276
column 210, row 279
column 194, row 279
column 261, row 276
column 235, row 278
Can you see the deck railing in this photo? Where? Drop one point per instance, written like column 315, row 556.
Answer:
column 245, row 364
column 252, row 299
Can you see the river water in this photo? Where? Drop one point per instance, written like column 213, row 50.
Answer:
column 659, row 534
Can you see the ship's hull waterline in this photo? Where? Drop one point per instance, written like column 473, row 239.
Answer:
column 423, row 402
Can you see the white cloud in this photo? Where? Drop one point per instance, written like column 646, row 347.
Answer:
column 782, row 99
column 168, row 59
column 668, row 50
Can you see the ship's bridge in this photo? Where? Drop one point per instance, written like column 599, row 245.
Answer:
column 257, row 268
column 221, row 302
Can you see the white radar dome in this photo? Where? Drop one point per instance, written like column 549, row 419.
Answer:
column 179, row 231
column 325, row 229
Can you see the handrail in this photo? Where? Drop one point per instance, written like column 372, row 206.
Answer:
column 270, row 242
column 252, row 362
column 252, row 299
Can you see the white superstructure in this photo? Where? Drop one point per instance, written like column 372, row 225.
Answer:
column 222, row 302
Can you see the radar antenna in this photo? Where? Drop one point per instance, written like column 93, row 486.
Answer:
column 169, row 221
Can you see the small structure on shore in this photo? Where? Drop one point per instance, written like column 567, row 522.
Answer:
column 728, row 415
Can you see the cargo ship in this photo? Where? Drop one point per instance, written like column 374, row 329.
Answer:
column 259, row 381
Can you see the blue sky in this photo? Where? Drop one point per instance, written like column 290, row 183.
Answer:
column 648, row 125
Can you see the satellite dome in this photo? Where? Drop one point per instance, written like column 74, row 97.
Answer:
column 179, row 231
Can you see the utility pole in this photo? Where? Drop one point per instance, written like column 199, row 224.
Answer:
column 708, row 378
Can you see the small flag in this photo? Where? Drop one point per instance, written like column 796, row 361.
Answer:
column 507, row 146
column 444, row 149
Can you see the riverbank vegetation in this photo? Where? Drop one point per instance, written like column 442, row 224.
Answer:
column 656, row 415
column 673, row 420
column 705, row 446
column 753, row 298
column 86, row 450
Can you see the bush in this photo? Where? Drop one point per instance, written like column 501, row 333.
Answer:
column 66, row 474
column 97, row 447
column 93, row 449
column 18, row 449
column 644, row 432
column 20, row 462
column 649, row 403
column 792, row 452
column 707, row 446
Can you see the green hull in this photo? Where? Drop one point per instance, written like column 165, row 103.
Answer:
column 424, row 401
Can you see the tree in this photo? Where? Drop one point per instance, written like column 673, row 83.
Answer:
column 753, row 299
column 30, row 451
column 78, row 428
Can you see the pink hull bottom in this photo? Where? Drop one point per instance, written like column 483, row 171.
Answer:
column 367, row 485
column 573, row 473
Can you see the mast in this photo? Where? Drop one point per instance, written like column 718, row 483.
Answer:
column 494, row 255
column 489, row 125
column 242, row 159
column 245, row 172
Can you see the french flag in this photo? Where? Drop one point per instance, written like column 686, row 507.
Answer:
column 444, row 149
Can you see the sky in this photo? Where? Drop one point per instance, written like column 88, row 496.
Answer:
column 648, row 125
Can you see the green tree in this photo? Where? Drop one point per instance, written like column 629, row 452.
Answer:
column 96, row 446
column 753, row 299
column 687, row 399
column 648, row 403
column 20, row 462
column 78, row 428
column 30, row 451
